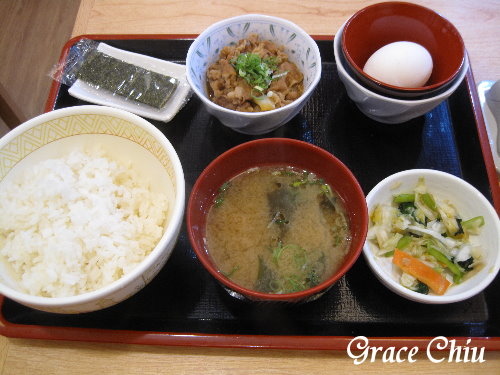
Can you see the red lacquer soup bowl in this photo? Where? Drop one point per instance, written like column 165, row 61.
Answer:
column 276, row 152
column 380, row 24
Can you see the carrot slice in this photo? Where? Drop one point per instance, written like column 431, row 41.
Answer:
column 421, row 271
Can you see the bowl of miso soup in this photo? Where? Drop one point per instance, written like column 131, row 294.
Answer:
column 277, row 219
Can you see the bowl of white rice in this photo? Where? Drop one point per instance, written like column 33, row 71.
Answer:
column 91, row 205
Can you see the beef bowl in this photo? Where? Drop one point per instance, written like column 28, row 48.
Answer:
column 253, row 72
column 277, row 220
column 92, row 201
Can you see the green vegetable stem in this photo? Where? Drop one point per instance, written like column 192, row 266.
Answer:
column 473, row 225
column 403, row 242
column 404, row 198
column 429, row 201
column 440, row 257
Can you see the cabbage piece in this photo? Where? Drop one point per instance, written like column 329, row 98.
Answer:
column 448, row 216
column 391, row 242
column 448, row 242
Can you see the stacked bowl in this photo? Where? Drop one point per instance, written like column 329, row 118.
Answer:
column 383, row 48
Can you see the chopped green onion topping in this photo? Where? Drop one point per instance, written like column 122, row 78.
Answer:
column 219, row 199
column 258, row 72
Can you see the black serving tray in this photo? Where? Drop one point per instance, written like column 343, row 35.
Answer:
column 184, row 305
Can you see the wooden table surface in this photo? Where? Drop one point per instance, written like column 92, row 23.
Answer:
column 478, row 22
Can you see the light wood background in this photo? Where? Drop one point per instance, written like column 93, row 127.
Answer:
column 32, row 34
column 478, row 21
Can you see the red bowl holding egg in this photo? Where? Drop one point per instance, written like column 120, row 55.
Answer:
column 274, row 152
column 381, row 24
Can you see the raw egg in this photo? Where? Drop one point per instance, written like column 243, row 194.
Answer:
column 403, row 64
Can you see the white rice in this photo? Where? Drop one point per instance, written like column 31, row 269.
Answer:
column 74, row 224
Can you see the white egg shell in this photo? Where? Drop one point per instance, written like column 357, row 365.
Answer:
column 403, row 64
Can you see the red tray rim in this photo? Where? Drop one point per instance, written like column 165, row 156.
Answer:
column 14, row 330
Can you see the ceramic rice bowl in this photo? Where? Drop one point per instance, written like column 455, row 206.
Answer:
column 124, row 137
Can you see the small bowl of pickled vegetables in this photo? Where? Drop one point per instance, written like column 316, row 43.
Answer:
column 432, row 237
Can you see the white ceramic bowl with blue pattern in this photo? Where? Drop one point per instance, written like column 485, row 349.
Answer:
column 298, row 45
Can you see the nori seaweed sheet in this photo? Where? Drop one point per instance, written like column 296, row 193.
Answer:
column 127, row 80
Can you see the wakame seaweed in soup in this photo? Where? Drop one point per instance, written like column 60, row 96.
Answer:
column 277, row 230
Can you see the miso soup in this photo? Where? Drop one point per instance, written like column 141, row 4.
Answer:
column 277, row 230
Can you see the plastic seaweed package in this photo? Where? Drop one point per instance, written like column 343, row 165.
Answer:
column 101, row 71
